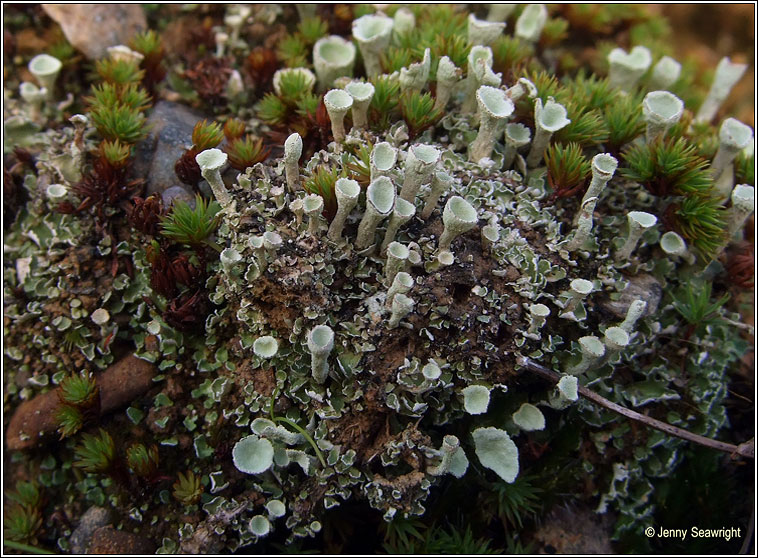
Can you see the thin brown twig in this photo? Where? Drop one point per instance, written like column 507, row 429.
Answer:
column 746, row 449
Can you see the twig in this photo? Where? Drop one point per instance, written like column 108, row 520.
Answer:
column 745, row 450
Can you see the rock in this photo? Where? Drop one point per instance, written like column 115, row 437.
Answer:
column 109, row 540
column 119, row 384
column 93, row 519
column 178, row 193
column 92, row 28
column 124, row 381
column 641, row 287
column 170, row 128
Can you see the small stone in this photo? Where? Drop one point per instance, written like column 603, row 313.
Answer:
column 121, row 383
column 641, row 287
column 177, row 193
column 109, row 540
column 170, row 128
column 92, row 28
column 92, row 520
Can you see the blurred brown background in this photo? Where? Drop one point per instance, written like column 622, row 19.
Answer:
column 712, row 31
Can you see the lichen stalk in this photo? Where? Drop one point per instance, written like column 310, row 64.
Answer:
column 459, row 216
column 547, row 120
column 380, row 201
column 397, row 256
column 211, row 161
column 419, row 166
column 403, row 212
column 639, row 222
column 346, row 191
column 441, row 182
column 401, row 284
column 320, row 344
column 402, row 305
column 494, row 108
column 293, row 150
column 448, row 74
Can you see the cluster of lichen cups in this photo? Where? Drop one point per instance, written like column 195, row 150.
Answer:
column 422, row 166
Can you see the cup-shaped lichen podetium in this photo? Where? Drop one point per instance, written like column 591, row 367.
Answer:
column 592, row 350
column 441, row 182
column 338, row 102
column 661, row 110
column 415, row 76
column 727, row 75
column 313, row 205
column 272, row 242
column 627, row 68
column 483, row 32
column 639, row 222
column 459, row 216
column 547, row 120
column 404, row 21
column 380, row 200
column 401, row 306
column 516, row 136
column 448, row 75
column 397, row 256
column 419, row 166
column 266, row 347
column 362, row 93
column 293, row 149
column 320, row 344
column 675, row 247
column 615, row 339
column 538, row 313
column 229, row 257
column 45, row 69
column 123, row 52
column 479, row 72
column 522, row 87
column 450, row 446
column 734, row 136
column 211, row 161
column 56, row 192
column 743, row 198
column 490, row 235
column 665, row 73
column 635, row 311
column 578, row 291
column 494, row 107
column 373, row 33
column 333, row 57
column 401, row 284
column 346, row 191
column 604, row 166
column 403, row 212
column 383, row 159
column 34, row 96
column 530, row 23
